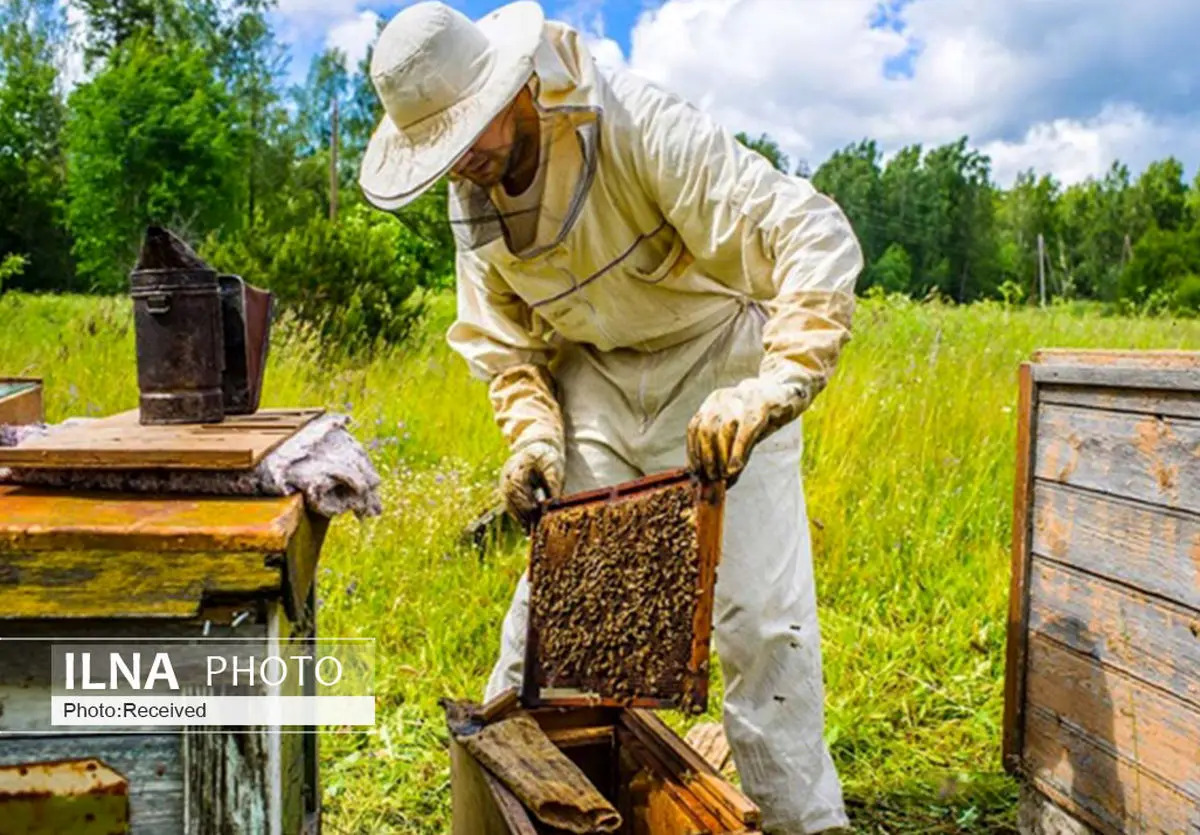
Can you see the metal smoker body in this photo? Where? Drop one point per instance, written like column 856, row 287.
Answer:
column 201, row 336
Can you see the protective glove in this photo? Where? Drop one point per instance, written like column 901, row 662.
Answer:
column 731, row 421
column 539, row 464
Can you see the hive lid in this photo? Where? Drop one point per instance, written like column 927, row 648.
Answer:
column 621, row 595
column 120, row 442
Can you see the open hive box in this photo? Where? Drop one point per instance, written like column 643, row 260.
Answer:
column 657, row 783
column 621, row 594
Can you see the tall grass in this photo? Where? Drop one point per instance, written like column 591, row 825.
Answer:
column 908, row 470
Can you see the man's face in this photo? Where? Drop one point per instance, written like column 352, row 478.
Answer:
column 487, row 161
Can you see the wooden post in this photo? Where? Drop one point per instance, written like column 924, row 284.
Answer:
column 333, row 163
column 1042, row 267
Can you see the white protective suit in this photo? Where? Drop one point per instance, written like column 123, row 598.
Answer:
column 670, row 261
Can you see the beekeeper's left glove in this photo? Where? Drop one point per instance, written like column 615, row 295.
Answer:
column 731, row 421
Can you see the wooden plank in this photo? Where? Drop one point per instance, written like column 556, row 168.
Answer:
column 1106, row 358
column 38, row 519
column 1109, row 792
column 1151, row 640
column 226, row 781
column 127, row 584
column 300, row 564
column 717, row 793
column 1144, row 457
column 1018, row 601
column 1170, row 379
column 1141, row 723
column 678, row 797
column 577, row 737
column 1151, row 549
column 240, row 442
column 1184, row 404
column 479, row 805
column 150, row 762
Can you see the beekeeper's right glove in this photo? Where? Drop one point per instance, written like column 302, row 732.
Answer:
column 538, row 465
column 526, row 407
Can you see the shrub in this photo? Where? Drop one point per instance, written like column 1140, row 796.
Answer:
column 893, row 270
column 1187, row 295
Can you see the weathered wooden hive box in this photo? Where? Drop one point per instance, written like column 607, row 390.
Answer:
column 87, row 566
column 655, row 780
column 1102, row 696
column 21, row 401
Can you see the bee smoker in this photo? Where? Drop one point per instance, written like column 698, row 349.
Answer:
column 201, row 336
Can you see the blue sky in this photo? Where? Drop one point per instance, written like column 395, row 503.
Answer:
column 1061, row 86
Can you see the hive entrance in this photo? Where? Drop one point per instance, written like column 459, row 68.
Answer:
column 621, row 587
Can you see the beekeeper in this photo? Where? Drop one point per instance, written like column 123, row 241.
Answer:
column 640, row 291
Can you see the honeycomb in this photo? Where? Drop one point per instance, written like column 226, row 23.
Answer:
column 614, row 590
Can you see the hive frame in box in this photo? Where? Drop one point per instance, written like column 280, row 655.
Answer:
column 709, row 502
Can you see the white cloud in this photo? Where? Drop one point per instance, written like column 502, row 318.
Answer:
column 354, row 36
column 309, row 13
column 1063, row 86
column 1076, row 149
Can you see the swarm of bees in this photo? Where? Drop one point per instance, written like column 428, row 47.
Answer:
column 613, row 594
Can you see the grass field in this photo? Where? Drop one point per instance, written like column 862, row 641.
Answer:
column 908, row 470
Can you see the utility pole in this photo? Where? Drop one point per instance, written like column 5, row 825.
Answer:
column 1126, row 251
column 1042, row 267
column 333, row 163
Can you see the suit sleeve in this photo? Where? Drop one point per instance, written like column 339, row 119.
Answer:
column 768, row 235
column 505, row 344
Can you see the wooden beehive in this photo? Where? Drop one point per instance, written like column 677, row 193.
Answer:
column 1102, row 695
column 21, row 401
column 621, row 594
column 659, row 784
column 78, row 566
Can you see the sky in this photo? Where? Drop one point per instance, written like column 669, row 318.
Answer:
column 1060, row 86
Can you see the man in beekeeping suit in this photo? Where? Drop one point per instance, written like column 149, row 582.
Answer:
column 640, row 292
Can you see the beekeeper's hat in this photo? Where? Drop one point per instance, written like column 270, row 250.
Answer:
column 442, row 78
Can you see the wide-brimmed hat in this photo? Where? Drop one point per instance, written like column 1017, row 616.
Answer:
column 442, row 78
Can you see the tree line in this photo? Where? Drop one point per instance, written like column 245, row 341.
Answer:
column 183, row 118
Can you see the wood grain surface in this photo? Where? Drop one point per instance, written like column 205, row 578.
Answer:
column 1146, row 457
column 239, row 442
column 41, row 519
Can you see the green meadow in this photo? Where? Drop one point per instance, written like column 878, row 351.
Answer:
column 908, row 469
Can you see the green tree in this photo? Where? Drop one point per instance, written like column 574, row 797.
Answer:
column 252, row 63
column 1163, row 260
column 851, row 176
column 892, row 272
column 149, row 141
column 1160, row 196
column 1024, row 212
column 32, row 161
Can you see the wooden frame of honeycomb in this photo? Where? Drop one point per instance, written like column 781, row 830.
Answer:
column 621, row 594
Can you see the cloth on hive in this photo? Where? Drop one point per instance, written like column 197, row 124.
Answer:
column 520, row 755
column 323, row 461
